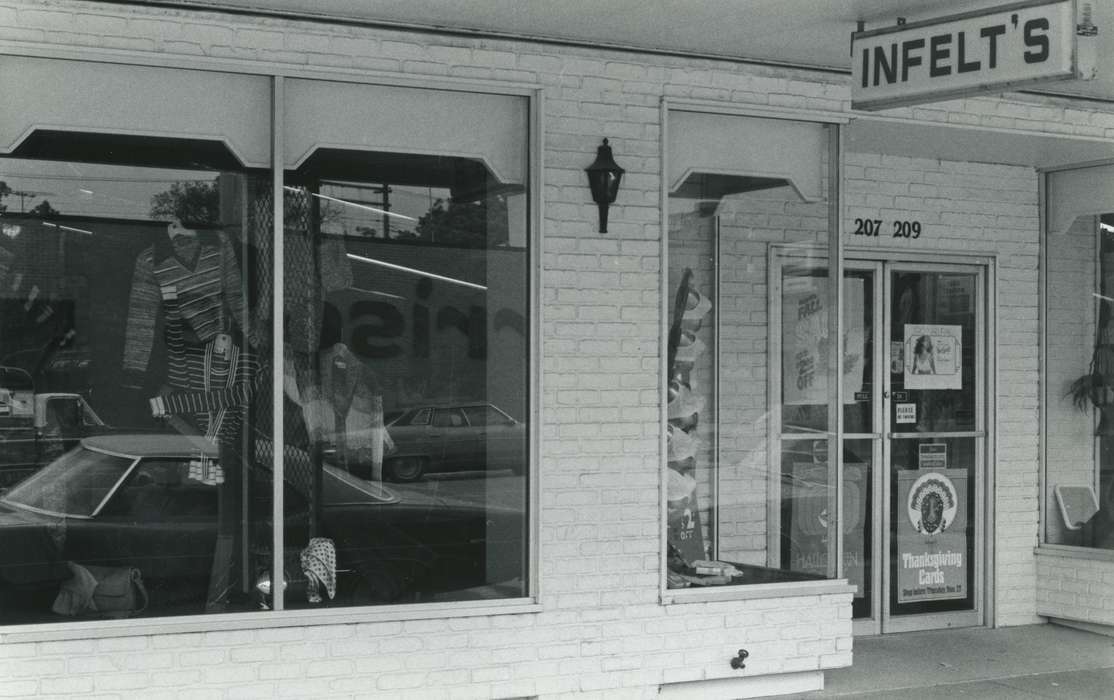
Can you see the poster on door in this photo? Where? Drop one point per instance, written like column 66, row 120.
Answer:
column 809, row 522
column 804, row 355
column 931, row 535
column 933, row 356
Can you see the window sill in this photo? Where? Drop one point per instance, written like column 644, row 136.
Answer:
column 99, row 629
column 757, row 591
column 1073, row 552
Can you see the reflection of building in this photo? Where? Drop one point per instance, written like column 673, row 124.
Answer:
column 436, row 222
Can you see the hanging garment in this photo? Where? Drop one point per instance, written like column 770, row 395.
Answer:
column 201, row 277
column 319, row 564
column 344, row 407
column 186, row 285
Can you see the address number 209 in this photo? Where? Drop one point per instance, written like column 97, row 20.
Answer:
column 901, row 229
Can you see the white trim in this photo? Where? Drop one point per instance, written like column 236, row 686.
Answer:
column 1065, row 551
column 814, row 116
column 267, row 68
column 270, row 619
column 535, row 176
column 176, row 134
column 663, row 360
column 759, row 591
column 278, row 341
column 915, row 122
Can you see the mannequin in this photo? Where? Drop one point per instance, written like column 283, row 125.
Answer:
column 188, row 285
column 187, row 291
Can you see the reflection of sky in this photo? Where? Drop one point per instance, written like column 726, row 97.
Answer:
column 411, row 202
column 109, row 191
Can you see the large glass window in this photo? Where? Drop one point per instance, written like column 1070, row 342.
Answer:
column 1079, row 329
column 132, row 365
column 137, row 298
column 407, row 296
column 750, row 486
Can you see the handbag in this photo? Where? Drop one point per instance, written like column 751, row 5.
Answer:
column 111, row 591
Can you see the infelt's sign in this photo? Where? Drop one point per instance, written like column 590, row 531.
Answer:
column 988, row 51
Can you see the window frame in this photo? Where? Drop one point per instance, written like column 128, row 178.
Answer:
column 834, row 122
column 533, row 134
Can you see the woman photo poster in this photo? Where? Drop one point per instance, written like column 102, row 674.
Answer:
column 933, row 357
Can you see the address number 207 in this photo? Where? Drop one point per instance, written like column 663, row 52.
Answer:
column 901, row 229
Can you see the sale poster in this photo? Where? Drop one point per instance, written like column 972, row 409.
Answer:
column 804, row 361
column 933, row 357
column 932, row 535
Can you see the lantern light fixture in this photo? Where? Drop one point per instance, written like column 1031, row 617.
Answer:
column 604, row 176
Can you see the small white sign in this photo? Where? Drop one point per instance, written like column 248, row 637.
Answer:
column 971, row 53
column 906, row 413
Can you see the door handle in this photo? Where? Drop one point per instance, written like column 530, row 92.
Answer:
column 885, row 394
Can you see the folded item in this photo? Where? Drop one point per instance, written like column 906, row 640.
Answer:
column 696, row 307
column 680, row 445
column 679, row 486
column 689, row 348
column 683, row 402
column 707, row 567
column 319, row 564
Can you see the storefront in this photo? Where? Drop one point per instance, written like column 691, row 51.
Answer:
column 327, row 302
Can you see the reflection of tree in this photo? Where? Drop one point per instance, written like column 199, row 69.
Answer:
column 43, row 210
column 465, row 224
column 192, row 201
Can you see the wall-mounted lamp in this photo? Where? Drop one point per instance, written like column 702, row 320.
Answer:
column 603, row 179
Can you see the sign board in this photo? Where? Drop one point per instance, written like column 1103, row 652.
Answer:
column 932, row 455
column 905, row 413
column 1008, row 47
column 932, row 556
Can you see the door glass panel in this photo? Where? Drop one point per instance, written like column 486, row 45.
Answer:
column 858, row 564
column 932, row 352
column 932, row 479
column 858, row 351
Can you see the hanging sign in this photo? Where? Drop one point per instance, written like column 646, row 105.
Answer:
column 1008, row 47
column 932, row 535
column 933, row 356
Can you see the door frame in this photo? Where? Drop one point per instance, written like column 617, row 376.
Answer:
column 883, row 261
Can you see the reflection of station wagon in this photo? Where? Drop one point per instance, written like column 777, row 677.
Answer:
column 458, row 437
column 36, row 428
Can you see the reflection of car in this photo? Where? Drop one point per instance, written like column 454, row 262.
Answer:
column 153, row 502
column 456, row 437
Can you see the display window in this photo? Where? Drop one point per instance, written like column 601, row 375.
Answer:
column 750, row 485
column 1079, row 363
column 138, row 370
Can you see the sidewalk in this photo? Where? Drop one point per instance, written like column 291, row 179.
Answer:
column 1011, row 663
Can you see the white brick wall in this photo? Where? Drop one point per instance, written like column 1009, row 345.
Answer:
column 1075, row 588
column 602, row 632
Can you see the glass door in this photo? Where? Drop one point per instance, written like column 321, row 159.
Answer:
column 934, row 446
